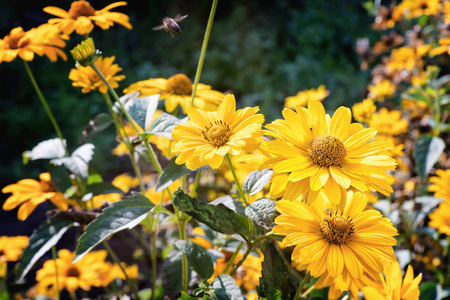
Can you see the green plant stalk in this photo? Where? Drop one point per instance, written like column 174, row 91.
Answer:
column 153, row 258
column 309, row 290
column 184, row 263
column 244, row 257
column 46, row 107
column 239, row 186
column 197, row 179
column 230, row 262
column 302, row 285
column 117, row 261
column 437, row 115
column 203, row 51
column 119, row 128
column 58, row 292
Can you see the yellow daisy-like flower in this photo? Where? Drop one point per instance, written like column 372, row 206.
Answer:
column 114, row 271
column 363, row 111
column 345, row 242
column 393, row 287
column 11, row 247
column 381, row 90
column 88, row 79
column 317, row 156
column 44, row 40
column 389, row 123
column 177, row 90
column 441, row 184
column 208, row 136
column 29, row 193
column 83, row 274
column 302, row 97
column 404, row 58
column 440, row 218
column 417, row 8
column 82, row 16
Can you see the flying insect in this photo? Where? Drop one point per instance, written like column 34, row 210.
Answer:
column 171, row 24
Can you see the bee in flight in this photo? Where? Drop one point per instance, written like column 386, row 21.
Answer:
column 171, row 24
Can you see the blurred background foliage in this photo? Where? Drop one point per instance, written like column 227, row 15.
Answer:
column 262, row 51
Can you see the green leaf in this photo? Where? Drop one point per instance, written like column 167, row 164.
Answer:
column 60, row 177
column 426, row 153
column 78, row 162
column 164, row 125
column 48, row 149
column 199, row 260
column 428, row 290
column 45, row 237
column 219, row 217
column 275, row 276
column 171, row 173
column 262, row 212
column 233, row 204
column 143, row 109
column 226, row 288
column 417, row 97
column 99, row 188
column 124, row 214
column 185, row 296
column 256, row 181
column 99, row 123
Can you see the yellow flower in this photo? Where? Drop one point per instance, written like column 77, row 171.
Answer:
column 393, row 287
column 440, row 218
column 83, row 274
column 114, row 271
column 11, row 247
column 208, row 136
column 381, row 90
column 404, row 58
column 389, row 123
column 317, row 156
column 44, row 40
column 85, row 53
column 29, row 193
column 363, row 111
column 82, row 16
column 444, row 46
column 88, row 79
column 345, row 241
column 177, row 90
column 302, row 97
column 441, row 184
column 417, row 8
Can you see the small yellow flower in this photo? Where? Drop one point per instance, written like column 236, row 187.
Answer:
column 29, row 193
column 363, row 111
column 85, row 53
column 389, row 123
column 208, row 136
column 88, row 79
column 82, row 16
column 444, row 45
column 302, row 97
column 441, row 184
column 404, row 58
column 11, row 247
column 44, row 40
column 440, row 218
column 394, row 286
column 381, row 90
column 417, row 8
column 177, row 90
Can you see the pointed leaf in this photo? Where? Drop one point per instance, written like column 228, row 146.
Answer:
column 199, row 260
column 172, row 172
column 99, row 123
column 220, row 218
column 262, row 212
column 428, row 291
column 60, row 177
column 427, row 152
column 99, row 188
column 45, row 237
column 143, row 109
column 164, row 125
column 233, row 204
column 124, row 214
column 78, row 162
column 48, row 149
column 256, row 181
column 127, row 100
column 226, row 288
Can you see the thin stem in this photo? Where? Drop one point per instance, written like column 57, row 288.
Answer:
column 197, row 179
column 46, row 107
column 153, row 236
column 230, row 262
column 203, row 51
column 302, row 285
column 117, row 261
column 184, row 262
column 244, row 257
column 241, row 191
column 58, row 292
column 309, row 290
column 437, row 114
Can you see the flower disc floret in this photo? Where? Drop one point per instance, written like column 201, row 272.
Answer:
column 327, row 150
column 179, row 84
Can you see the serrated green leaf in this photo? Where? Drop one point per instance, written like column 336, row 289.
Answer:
column 226, row 288
column 233, row 204
column 262, row 212
column 124, row 214
column 256, row 181
column 99, row 188
column 199, row 260
column 427, row 150
column 428, row 291
column 171, row 173
column 219, row 217
column 164, row 125
column 60, row 177
column 45, row 237
column 143, row 109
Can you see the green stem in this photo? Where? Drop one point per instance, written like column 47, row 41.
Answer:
column 239, row 186
column 309, row 290
column 197, row 179
column 184, row 262
column 244, row 257
column 230, row 262
column 153, row 237
column 117, row 261
column 44, row 103
column 302, row 285
column 203, row 51
column 58, row 292
column 437, row 115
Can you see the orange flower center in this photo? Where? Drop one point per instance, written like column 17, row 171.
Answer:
column 47, row 186
column 327, row 150
column 218, row 134
column 179, row 84
column 80, row 9
column 336, row 229
column 73, row 272
column 14, row 40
